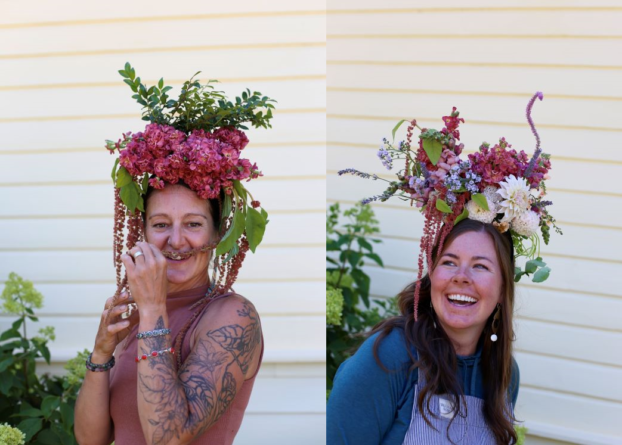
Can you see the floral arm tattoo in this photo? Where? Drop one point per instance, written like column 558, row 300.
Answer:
column 187, row 403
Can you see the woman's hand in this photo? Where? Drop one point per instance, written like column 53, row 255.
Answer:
column 146, row 276
column 112, row 330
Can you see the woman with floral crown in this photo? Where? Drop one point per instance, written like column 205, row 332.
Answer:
column 177, row 351
column 442, row 372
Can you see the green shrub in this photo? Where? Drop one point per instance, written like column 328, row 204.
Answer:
column 41, row 406
column 347, row 285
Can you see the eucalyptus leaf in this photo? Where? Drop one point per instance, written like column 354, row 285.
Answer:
column 541, row 275
column 481, row 201
column 530, row 267
column 442, row 206
column 433, row 149
column 255, row 228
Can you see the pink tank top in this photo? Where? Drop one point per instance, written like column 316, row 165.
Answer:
column 123, row 390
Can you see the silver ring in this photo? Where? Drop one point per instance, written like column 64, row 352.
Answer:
column 137, row 254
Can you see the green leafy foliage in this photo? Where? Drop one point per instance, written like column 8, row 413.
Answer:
column 198, row 106
column 41, row 406
column 443, row 206
column 350, row 313
column 480, row 200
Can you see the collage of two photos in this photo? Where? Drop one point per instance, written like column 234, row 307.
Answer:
column 316, row 222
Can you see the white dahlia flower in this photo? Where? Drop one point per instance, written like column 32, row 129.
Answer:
column 479, row 214
column 490, row 192
column 527, row 223
column 515, row 197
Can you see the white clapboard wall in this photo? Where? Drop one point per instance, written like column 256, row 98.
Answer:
column 62, row 97
column 395, row 59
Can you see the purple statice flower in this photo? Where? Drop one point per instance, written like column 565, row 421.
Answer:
column 453, row 182
column 360, row 174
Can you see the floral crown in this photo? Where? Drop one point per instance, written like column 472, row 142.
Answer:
column 196, row 139
column 495, row 185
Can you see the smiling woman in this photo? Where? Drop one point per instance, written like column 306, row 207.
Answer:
column 183, row 364
column 443, row 372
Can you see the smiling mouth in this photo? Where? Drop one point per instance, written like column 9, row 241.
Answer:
column 460, row 300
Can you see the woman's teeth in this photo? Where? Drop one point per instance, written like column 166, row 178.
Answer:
column 462, row 300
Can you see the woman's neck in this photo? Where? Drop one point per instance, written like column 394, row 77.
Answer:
column 464, row 341
column 190, row 284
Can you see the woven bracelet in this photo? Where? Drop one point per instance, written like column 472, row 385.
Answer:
column 154, row 333
column 94, row 367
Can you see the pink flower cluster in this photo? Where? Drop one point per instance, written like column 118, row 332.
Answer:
column 496, row 163
column 207, row 162
column 452, row 123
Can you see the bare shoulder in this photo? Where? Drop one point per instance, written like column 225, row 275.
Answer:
column 232, row 324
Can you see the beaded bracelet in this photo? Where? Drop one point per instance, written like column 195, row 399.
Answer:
column 154, row 333
column 94, row 367
column 155, row 354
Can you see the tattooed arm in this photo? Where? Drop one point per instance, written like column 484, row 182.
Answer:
column 176, row 407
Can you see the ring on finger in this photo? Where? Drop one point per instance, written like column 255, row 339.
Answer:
column 137, row 254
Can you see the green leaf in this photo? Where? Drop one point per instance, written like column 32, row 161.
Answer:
column 537, row 262
column 397, row 126
column 30, row 427
column 226, row 207
column 123, row 177
column 161, row 83
column 47, row 437
column 30, row 412
column 145, row 184
column 5, row 363
column 463, row 215
column 10, row 333
column 364, row 243
column 49, row 404
column 129, row 196
column 131, row 84
column 375, row 257
column 67, row 413
column 6, row 383
column 242, row 193
column 530, row 267
column 45, row 352
column 362, row 282
column 433, row 149
column 114, row 170
column 230, row 238
column 354, row 258
column 255, row 228
column 265, row 216
column 481, row 201
column 442, row 206
column 541, row 275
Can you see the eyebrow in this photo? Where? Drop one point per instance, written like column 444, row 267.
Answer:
column 449, row 254
column 185, row 216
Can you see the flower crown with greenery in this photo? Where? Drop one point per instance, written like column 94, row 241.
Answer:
column 495, row 185
column 196, row 139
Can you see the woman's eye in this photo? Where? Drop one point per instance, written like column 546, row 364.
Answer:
column 159, row 225
column 195, row 224
column 481, row 265
column 449, row 263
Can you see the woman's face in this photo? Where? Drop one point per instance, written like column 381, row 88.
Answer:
column 468, row 267
column 177, row 220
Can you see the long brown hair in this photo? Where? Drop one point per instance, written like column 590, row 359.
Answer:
column 437, row 357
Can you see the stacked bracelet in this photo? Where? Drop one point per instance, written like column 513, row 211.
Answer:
column 155, row 354
column 154, row 333
column 94, row 367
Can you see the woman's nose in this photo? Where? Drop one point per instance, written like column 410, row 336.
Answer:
column 461, row 276
column 175, row 239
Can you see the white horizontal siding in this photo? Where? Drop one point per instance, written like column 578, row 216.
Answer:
column 63, row 98
column 400, row 59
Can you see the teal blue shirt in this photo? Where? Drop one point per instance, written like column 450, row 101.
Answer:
column 370, row 406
